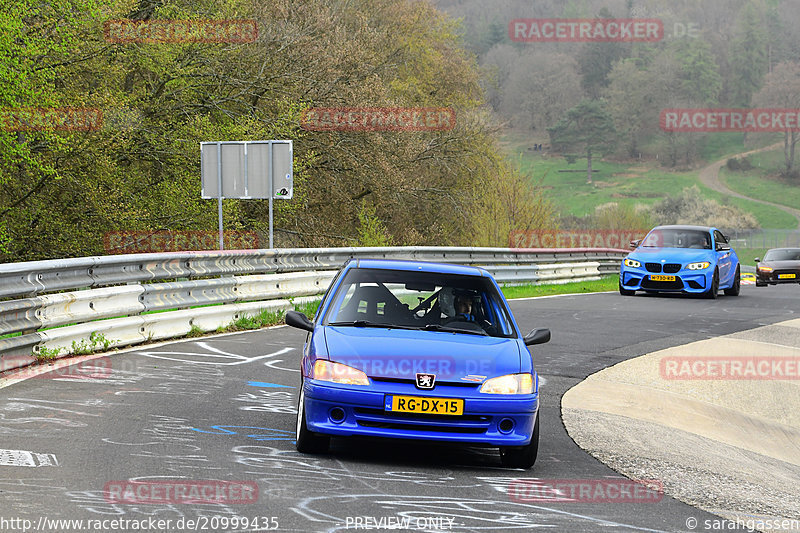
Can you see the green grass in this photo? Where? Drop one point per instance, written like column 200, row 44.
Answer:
column 615, row 183
column 607, row 283
column 746, row 255
column 768, row 217
column 309, row 309
column 635, row 183
column 763, row 185
column 720, row 145
column 262, row 319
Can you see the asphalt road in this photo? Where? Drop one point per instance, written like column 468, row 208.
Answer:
column 223, row 408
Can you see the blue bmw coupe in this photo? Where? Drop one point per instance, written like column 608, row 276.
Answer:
column 685, row 259
column 418, row 350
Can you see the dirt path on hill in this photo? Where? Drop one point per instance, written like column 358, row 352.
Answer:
column 709, row 176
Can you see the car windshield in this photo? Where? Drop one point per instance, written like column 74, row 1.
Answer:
column 419, row 300
column 782, row 255
column 678, row 238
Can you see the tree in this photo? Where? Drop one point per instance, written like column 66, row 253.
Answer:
column 748, row 55
column 689, row 77
column 634, row 96
column 587, row 127
column 699, row 73
column 782, row 89
column 596, row 60
column 539, row 89
column 61, row 191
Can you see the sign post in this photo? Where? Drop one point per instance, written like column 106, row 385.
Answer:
column 246, row 170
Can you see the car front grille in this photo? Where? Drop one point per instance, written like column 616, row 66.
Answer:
column 438, row 384
column 671, row 268
column 653, row 267
column 378, row 418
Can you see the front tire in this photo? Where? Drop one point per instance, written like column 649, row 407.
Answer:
column 737, row 282
column 712, row 291
column 522, row 456
column 625, row 292
column 308, row 442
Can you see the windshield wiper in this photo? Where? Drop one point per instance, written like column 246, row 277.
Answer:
column 450, row 329
column 368, row 324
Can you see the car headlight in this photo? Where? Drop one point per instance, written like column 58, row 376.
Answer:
column 632, row 263
column 698, row 266
column 338, row 373
column 764, row 268
column 509, row 384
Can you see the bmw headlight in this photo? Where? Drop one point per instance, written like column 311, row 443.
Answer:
column 632, row 263
column 338, row 373
column 509, row 384
column 698, row 266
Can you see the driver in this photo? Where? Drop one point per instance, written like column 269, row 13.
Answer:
column 463, row 306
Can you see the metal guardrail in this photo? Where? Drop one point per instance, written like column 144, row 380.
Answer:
column 111, row 295
column 764, row 238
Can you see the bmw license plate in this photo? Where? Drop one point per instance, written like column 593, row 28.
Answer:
column 657, row 277
column 787, row 276
column 431, row 406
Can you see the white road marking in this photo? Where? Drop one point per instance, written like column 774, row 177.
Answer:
column 184, row 357
column 26, row 458
column 274, row 363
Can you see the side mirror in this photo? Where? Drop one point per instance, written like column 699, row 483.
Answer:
column 757, row 260
column 634, row 244
column 722, row 247
column 537, row 336
column 298, row 320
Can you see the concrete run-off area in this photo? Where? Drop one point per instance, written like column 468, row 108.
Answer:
column 727, row 445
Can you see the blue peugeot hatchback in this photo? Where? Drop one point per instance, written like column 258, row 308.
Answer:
column 418, row 350
column 686, row 259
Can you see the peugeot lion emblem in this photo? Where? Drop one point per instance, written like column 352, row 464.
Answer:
column 425, row 381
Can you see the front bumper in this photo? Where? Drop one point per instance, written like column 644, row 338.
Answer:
column 777, row 276
column 685, row 280
column 365, row 414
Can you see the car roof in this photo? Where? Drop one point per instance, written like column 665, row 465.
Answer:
column 686, row 226
column 419, row 266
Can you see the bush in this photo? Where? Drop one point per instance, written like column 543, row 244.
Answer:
column 739, row 164
column 620, row 216
column 610, row 216
column 689, row 207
